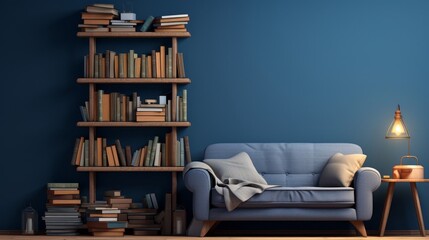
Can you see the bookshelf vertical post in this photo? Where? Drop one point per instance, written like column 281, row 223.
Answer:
column 92, row 114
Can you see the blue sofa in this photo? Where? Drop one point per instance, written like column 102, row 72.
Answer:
column 296, row 168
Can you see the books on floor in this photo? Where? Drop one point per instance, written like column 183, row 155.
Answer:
column 62, row 216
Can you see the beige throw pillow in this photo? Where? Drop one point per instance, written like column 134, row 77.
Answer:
column 340, row 170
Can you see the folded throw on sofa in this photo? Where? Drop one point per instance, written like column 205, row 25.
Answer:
column 234, row 191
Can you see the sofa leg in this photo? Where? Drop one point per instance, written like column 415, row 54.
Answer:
column 200, row 228
column 360, row 227
column 206, row 227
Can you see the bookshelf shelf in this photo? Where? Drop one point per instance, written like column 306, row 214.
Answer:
column 133, row 124
column 134, row 80
column 134, row 34
column 130, row 169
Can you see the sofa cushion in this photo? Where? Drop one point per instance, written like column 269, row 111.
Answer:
column 340, row 170
column 295, row 197
column 239, row 167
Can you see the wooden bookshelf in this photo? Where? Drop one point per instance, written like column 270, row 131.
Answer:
column 130, row 169
column 134, row 80
column 92, row 124
column 133, row 124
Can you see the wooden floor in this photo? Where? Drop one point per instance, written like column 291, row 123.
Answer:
column 41, row 237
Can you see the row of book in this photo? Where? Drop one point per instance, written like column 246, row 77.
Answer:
column 117, row 107
column 157, row 64
column 62, row 216
column 154, row 154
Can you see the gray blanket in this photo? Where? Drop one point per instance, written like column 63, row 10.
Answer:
column 234, row 191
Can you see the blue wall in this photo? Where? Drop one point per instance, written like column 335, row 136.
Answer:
column 277, row 71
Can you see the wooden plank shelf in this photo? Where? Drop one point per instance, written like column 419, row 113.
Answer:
column 134, row 34
column 133, row 124
column 130, row 169
column 134, row 80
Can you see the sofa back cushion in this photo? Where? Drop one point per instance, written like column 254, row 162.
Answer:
column 285, row 164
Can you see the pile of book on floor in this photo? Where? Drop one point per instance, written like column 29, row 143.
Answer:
column 108, row 219
column 62, row 216
column 143, row 220
column 171, row 23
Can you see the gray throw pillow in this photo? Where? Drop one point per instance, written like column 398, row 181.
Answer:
column 239, row 167
column 340, row 170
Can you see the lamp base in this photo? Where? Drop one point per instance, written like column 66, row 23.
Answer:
column 408, row 172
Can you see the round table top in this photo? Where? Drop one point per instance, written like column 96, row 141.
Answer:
column 392, row 180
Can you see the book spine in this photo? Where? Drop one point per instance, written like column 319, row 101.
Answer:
column 153, row 151
column 148, row 154
column 99, row 152
column 86, row 162
column 131, row 64
column 149, row 66
column 162, row 60
column 100, row 105
column 182, row 152
column 96, row 66
column 134, row 95
column 158, row 65
column 128, row 155
column 143, row 67
column 121, row 65
column 170, row 62
column 121, row 154
column 147, row 24
column 107, row 66
column 75, row 149
column 154, row 64
column 187, row 150
column 112, row 64
column 185, row 105
column 116, row 72
column 104, row 152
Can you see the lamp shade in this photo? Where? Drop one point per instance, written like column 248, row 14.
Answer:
column 397, row 128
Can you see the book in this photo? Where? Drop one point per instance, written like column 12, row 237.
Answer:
column 63, row 185
column 88, row 15
column 172, row 19
column 122, row 29
column 148, row 200
column 99, row 152
column 121, row 154
column 153, row 151
column 112, row 193
column 146, row 24
column 154, row 200
column 148, row 154
column 187, row 150
column 98, row 9
column 110, row 158
column 107, row 234
column 157, row 161
column 113, row 200
column 107, row 224
column 168, row 23
column 103, row 5
column 115, row 156
column 63, row 192
column 75, row 150
column 174, row 16
column 104, row 144
column 86, row 154
column 96, row 21
column 128, row 156
column 101, row 219
column 64, row 201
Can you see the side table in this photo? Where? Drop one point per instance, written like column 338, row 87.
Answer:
column 416, row 199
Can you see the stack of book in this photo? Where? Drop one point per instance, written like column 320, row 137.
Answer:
column 103, row 222
column 116, row 200
column 62, row 216
column 151, row 113
column 142, row 221
column 171, row 23
column 97, row 17
column 124, row 25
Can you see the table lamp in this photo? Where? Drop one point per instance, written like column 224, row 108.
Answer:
column 398, row 130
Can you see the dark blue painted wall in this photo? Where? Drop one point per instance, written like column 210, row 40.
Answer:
column 276, row 71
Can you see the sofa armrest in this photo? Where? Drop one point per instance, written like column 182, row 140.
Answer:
column 200, row 183
column 366, row 181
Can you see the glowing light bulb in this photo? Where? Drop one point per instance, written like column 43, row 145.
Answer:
column 397, row 128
